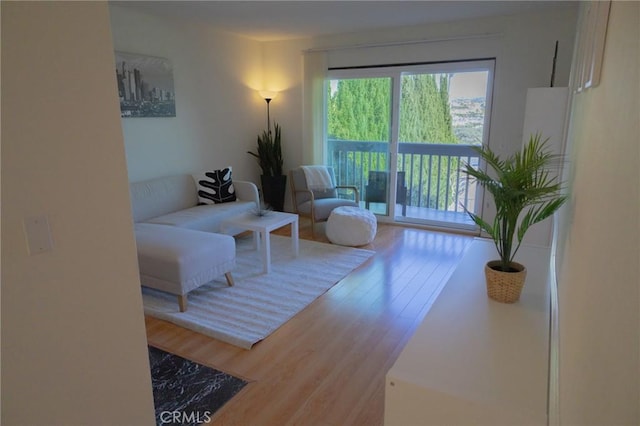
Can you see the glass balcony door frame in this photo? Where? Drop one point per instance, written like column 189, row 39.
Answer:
column 395, row 74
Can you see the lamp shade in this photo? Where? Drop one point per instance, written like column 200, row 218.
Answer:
column 266, row 94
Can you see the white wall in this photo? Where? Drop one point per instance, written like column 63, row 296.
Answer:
column 546, row 112
column 218, row 110
column 599, row 272
column 73, row 338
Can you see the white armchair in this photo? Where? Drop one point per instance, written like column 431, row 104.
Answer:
column 317, row 204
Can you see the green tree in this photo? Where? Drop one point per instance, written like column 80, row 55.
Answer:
column 359, row 110
column 425, row 115
column 426, row 118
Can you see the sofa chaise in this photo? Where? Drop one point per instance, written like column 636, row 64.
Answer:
column 178, row 241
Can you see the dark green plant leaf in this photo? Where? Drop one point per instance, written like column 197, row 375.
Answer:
column 269, row 152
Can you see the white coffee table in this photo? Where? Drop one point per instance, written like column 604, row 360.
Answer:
column 261, row 226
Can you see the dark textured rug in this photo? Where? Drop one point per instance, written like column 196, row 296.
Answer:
column 185, row 392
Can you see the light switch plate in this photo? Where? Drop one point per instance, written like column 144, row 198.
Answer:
column 38, row 234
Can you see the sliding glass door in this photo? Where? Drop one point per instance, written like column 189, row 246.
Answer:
column 443, row 114
column 402, row 135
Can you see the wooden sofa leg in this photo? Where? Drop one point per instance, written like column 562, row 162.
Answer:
column 313, row 228
column 182, row 301
column 229, row 279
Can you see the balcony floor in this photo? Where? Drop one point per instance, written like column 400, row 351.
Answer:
column 426, row 216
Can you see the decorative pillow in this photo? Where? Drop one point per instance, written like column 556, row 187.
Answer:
column 215, row 187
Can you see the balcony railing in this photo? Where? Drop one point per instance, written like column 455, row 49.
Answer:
column 433, row 172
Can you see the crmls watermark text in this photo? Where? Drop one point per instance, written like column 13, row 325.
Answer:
column 181, row 417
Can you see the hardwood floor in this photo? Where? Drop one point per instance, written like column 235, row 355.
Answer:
column 327, row 365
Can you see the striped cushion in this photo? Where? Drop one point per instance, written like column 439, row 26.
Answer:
column 215, row 186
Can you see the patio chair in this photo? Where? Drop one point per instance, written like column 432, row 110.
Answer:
column 317, row 203
column 376, row 189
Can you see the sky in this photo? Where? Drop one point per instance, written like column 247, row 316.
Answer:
column 468, row 85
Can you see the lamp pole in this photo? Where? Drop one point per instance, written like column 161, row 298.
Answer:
column 268, row 96
column 268, row 100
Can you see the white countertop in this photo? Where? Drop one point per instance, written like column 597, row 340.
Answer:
column 475, row 358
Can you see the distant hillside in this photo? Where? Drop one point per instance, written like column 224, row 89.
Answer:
column 468, row 119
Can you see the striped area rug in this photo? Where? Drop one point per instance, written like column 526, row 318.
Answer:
column 259, row 303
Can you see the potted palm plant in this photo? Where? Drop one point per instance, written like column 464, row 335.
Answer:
column 525, row 191
column 269, row 158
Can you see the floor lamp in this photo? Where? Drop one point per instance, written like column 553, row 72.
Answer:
column 268, row 97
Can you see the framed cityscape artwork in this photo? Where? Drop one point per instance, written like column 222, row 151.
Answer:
column 145, row 86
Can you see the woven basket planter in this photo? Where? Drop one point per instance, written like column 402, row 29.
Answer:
column 504, row 287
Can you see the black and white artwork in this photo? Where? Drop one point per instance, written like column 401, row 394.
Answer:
column 145, row 86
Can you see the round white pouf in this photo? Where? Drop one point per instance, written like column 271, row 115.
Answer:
column 351, row 226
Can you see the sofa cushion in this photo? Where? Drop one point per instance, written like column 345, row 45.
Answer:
column 215, row 186
column 178, row 260
column 205, row 217
column 155, row 197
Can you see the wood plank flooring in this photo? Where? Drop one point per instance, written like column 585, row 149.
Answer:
column 327, row 365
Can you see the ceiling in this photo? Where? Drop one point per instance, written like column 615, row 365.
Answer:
column 280, row 20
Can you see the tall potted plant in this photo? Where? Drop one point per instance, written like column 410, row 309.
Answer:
column 525, row 191
column 269, row 158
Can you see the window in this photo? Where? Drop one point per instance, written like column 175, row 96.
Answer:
column 402, row 133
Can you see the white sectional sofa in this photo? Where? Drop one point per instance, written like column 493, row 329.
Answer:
column 173, row 200
column 179, row 247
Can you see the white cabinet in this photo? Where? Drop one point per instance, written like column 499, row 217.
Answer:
column 545, row 113
column 473, row 360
